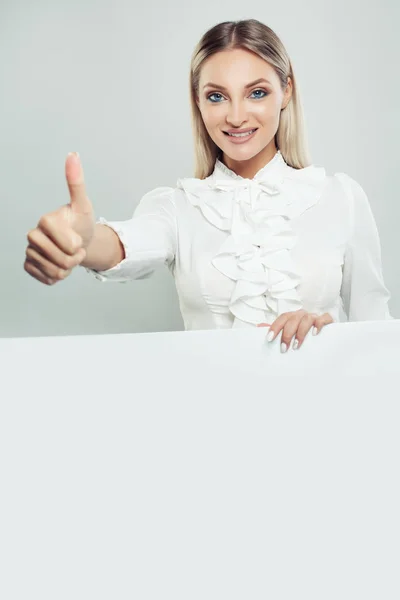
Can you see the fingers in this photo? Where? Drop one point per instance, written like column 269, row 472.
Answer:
column 48, row 263
column 290, row 328
column 321, row 321
column 48, row 271
column 58, row 243
column 303, row 328
column 287, row 322
column 56, row 227
column 296, row 325
column 40, row 242
column 36, row 273
column 80, row 202
column 48, row 268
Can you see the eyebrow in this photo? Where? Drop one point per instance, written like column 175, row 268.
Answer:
column 249, row 85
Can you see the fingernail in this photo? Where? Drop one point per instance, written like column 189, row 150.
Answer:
column 295, row 344
column 314, row 331
column 74, row 154
column 270, row 336
column 283, row 348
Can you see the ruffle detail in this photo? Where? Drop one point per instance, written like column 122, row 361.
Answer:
column 257, row 213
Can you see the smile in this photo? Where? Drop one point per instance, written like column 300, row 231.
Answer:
column 241, row 135
column 241, row 138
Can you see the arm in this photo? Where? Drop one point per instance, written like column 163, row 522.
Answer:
column 105, row 250
column 364, row 294
column 68, row 237
column 126, row 250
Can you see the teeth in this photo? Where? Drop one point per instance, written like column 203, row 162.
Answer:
column 242, row 134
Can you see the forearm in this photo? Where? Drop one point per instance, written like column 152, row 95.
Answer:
column 105, row 250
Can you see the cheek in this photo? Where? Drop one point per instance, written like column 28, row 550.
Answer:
column 268, row 113
column 211, row 120
column 210, row 117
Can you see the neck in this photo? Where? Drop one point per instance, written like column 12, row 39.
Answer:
column 249, row 168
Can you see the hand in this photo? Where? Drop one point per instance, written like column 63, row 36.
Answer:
column 298, row 324
column 59, row 242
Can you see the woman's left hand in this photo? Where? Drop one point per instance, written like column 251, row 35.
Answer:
column 298, row 324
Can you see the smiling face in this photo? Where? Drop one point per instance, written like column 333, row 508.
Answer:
column 240, row 93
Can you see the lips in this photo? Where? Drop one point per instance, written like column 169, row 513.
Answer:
column 241, row 139
column 240, row 131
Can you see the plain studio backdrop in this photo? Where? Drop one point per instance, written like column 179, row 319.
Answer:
column 110, row 80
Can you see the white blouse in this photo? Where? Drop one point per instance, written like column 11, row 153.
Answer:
column 244, row 251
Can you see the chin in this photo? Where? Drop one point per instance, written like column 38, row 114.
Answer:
column 240, row 153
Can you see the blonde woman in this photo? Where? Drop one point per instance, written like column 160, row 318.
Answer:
column 259, row 236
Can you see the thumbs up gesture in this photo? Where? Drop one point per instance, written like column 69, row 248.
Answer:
column 59, row 242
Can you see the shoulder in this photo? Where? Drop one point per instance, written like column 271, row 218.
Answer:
column 362, row 219
column 160, row 196
column 338, row 188
column 187, row 191
column 355, row 194
column 350, row 185
column 337, row 192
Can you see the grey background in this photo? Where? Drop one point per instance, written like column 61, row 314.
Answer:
column 110, row 80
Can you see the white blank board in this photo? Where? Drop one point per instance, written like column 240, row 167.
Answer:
column 178, row 465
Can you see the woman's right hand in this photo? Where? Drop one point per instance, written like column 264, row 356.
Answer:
column 59, row 242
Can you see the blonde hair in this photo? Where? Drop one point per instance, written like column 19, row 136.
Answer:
column 252, row 35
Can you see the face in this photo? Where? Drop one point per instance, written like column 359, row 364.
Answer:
column 239, row 92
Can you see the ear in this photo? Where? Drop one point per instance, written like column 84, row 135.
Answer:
column 287, row 94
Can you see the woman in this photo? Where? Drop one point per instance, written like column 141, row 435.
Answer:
column 259, row 236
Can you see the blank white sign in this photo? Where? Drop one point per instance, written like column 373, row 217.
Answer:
column 176, row 465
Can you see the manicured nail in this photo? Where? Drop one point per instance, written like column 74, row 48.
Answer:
column 314, row 331
column 270, row 336
column 283, row 348
column 295, row 344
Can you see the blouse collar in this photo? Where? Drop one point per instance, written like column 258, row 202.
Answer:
column 273, row 169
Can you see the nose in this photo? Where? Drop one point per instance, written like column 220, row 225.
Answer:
column 237, row 114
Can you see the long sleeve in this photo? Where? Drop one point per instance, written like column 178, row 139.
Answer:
column 149, row 238
column 364, row 294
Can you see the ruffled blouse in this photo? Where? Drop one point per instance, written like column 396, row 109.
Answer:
column 243, row 251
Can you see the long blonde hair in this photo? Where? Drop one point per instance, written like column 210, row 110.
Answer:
column 252, row 35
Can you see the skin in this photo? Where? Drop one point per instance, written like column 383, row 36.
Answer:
column 69, row 236
column 236, row 107
column 226, row 101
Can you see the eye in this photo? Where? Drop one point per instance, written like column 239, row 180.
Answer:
column 259, row 94
column 216, row 97
column 215, row 101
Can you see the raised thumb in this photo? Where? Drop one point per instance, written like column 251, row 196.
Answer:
column 80, row 203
